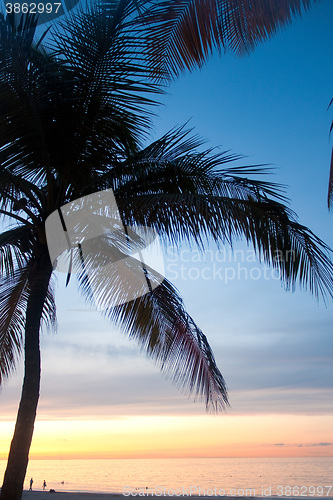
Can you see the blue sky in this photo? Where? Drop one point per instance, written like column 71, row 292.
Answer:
column 274, row 348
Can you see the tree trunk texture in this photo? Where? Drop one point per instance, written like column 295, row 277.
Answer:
column 12, row 487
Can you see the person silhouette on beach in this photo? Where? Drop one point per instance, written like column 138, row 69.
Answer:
column 44, row 485
column 31, row 483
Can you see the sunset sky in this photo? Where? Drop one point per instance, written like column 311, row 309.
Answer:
column 101, row 397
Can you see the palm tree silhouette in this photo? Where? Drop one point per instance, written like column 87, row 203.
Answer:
column 74, row 119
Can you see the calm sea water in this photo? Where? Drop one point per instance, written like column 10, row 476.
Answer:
column 209, row 476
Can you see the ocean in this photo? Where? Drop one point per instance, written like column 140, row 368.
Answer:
column 208, row 476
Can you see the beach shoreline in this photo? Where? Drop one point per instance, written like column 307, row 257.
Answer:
column 63, row 495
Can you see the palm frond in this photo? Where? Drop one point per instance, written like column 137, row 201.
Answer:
column 268, row 226
column 25, row 91
column 15, row 246
column 14, row 296
column 330, row 185
column 198, row 197
column 13, row 299
column 330, row 180
column 158, row 321
column 16, row 250
column 49, row 315
column 106, row 52
column 183, row 33
column 18, row 194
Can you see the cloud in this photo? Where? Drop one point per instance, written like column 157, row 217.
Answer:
column 282, row 400
column 312, row 445
column 320, row 444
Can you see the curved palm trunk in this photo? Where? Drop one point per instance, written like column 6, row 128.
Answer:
column 19, row 450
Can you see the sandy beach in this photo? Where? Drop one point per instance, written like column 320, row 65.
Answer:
column 41, row 495
column 47, row 495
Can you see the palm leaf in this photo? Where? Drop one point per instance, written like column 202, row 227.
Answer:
column 175, row 157
column 15, row 245
column 13, row 299
column 195, row 197
column 163, row 329
column 106, row 52
column 14, row 295
column 183, row 33
column 25, row 90
column 330, row 184
column 330, row 181
column 267, row 225
column 159, row 322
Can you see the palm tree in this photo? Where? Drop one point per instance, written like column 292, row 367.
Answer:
column 74, row 118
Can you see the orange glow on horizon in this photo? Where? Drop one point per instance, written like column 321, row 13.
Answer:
column 190, row 436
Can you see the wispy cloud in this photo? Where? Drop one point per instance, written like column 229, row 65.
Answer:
column 320, row 444
column 312, row 445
